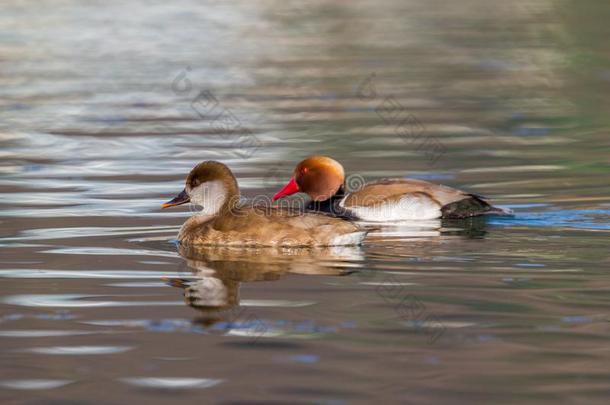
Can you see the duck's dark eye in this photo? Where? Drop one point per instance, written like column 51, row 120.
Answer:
column 195, row 183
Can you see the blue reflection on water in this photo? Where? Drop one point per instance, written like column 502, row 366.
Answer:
column 577, row 219
column 305, row 358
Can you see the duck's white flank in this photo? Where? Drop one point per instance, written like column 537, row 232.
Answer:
column 409, row 207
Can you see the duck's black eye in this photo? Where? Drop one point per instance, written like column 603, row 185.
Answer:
column 195, row 183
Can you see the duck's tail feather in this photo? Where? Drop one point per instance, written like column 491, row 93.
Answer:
column 471, row 206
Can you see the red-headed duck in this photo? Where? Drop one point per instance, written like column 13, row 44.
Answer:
column 225, row 220
column 322, row 178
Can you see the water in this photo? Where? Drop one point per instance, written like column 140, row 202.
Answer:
column 105, row 107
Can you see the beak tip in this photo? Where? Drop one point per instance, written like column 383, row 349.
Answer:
column 180, row 199
column 289, row 189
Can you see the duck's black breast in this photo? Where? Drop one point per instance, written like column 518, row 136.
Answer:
column 331, row 207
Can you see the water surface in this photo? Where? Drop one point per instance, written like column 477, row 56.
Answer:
column 104, row 108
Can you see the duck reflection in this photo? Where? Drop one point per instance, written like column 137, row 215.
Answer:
column 428, row 230
column 213, row 274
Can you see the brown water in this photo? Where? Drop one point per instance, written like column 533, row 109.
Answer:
column 104, row 107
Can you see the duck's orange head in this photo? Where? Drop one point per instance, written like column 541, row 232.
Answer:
column 318, row 176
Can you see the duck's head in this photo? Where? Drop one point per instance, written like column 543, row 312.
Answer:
column 318, row 176
column 211, row 185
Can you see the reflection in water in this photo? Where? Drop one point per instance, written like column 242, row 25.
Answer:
column 594, row 219
column 217, row 273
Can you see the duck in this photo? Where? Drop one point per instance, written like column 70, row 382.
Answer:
column 226, row 220
column 385, row 200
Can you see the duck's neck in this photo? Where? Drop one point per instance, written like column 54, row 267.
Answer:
column 331, row 205
column 232, row 197
column 217, row 197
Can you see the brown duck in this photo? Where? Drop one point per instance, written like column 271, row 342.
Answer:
column 322, row 178
column 226, row 220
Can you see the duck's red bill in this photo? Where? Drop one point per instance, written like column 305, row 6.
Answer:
column 290, row 188
column 180, row 199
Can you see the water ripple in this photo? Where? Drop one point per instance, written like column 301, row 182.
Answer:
column 90, row 274
column 79, row 350
column 34, row 384
column 93, row 250
column 78, row 301
column 172, row 383
column 44, row 333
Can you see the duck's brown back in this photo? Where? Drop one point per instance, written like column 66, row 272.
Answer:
column 451, row 202
column 386, row 190
column 270, row 226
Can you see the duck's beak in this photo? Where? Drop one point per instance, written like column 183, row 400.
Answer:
column 180, row 199
column 290, row 188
